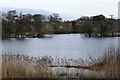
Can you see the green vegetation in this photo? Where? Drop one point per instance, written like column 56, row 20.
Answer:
column 26, row 25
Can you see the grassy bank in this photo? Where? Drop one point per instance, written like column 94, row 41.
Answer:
column 109, row 63
column 23, row 66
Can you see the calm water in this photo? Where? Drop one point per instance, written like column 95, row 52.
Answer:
column 62, row 45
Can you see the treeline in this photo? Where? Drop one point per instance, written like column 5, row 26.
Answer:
column 16, row 24
column 99, row 26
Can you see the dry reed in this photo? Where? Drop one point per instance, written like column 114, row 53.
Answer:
column 23, row 66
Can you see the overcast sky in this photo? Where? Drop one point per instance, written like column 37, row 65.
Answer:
column 72, row 7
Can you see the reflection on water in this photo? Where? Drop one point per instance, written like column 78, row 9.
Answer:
column 62, row 45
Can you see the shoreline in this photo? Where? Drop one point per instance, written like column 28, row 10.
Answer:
column 104, row 67
column 44, row 36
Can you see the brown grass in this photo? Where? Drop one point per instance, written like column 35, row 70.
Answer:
column 23, row 66
column 0, row 67
column 109, row 63
column 18, row 66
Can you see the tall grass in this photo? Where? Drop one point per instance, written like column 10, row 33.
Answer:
column 109, row 63
column 23, row 66
column 0, row 67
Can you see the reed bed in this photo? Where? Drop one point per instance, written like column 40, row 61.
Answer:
column 23, row 66
column 109, row 63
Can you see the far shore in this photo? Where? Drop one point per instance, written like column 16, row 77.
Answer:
column 50, row 35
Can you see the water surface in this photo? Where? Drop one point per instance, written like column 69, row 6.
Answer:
column 61, row 45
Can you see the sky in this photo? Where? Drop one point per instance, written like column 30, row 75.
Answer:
column 71, row 7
